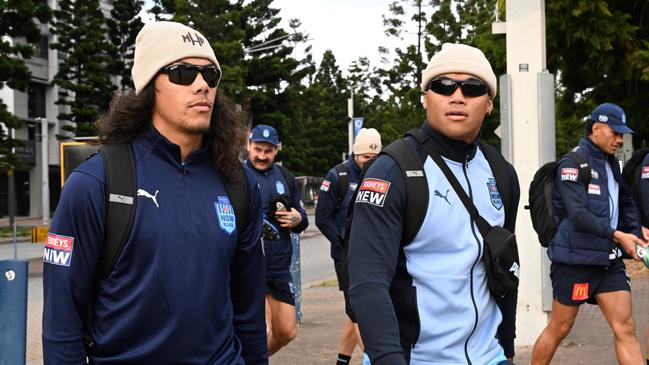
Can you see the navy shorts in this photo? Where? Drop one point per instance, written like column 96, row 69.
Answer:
column 281, row 289
column 578, row 284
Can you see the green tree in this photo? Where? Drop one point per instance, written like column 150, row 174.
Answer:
column 18, row 32
column 599, row 51
column 84, row 75
column 123, row 27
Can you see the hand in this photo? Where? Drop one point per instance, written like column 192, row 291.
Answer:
column 628, row 242
column 288, row 219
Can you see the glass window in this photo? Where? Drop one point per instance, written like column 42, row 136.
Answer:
column 36, row 100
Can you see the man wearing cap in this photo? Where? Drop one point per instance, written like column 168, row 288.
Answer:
column 426, row 301
column 598, row 223
column 187, row 287
column 283, row 213
column 331, row 214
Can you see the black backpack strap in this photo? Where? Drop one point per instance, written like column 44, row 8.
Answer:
column 290, row 179
column 502, row 174
column 343, row 182
column 584, row 168
column 239, row 196
column 121, row 194
column 121, row 199
column 416, row 186
column 482, row 223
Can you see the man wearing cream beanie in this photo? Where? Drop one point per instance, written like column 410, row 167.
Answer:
column 426, row 300
column 187, row 286
column 334, row 198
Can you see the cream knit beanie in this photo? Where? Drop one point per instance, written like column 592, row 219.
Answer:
column 368, row 140
column 460, row 58
column 162, row 43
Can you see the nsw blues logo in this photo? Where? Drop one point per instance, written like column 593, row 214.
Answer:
column 225, row 214
column 494, row 195
column 280, row 187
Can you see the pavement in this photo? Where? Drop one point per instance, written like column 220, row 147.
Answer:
column 590, row 341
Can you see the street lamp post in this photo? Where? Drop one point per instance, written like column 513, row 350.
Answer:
column 45, row 170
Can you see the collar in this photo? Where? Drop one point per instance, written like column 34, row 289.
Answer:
column 458, row 151
column 352, row 163
column 591, row 148
column 155, row 141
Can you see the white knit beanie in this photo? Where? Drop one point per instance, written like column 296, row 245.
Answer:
column 368, row 140
column 460, row 58
column 162, row 43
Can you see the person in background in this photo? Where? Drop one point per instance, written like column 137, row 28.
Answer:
column 334, row 198
column 283, row 214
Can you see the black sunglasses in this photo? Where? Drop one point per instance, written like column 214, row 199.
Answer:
column 183, row 74
column 445, row 86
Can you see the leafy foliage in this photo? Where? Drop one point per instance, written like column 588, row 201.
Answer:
column 84, row 74
column 17, row 21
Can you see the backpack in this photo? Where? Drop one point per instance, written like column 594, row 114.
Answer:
column 631, row 172
column 121, row 198
column 343, row 182
column 540, row 196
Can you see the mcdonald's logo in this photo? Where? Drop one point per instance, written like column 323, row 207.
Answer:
column 580, row 291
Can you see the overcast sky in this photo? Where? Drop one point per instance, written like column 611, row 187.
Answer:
column 351, row 29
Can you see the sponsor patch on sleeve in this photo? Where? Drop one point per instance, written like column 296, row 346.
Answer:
column 373, row 191
column 645, row 173
column 594, row 189
column 58, row 249
column 325, row 185
column 569, row 173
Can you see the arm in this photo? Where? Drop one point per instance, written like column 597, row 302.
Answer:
column 507, row 329
column 325, row 212
column 247, row 285
column 374, row 247
column 67, row 290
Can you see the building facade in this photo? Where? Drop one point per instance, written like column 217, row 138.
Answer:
column 34, row 107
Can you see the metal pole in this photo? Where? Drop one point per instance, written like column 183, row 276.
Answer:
column 12, row 194
column 350, row 124
column 45, row 170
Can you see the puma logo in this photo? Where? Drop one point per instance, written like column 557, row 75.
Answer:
column 437, row 193
column 144, row 193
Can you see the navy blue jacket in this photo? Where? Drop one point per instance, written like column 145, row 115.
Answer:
column 278, row 252
column 427, row 302
column 585, row 234
column 187, row 288
column 331, row 215
column 644, row 191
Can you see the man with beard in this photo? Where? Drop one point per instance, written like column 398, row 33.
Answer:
column 187, row 286
column 283, row 213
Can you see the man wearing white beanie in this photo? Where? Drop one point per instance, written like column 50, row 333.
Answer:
column 420, row 295
column 186, row 285
column 334, row 198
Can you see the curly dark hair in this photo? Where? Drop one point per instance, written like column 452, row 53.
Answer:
column 129, row 115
